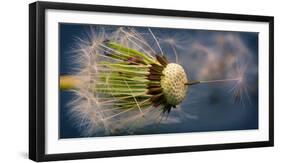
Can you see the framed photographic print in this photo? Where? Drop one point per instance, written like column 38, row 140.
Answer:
column 117, row 81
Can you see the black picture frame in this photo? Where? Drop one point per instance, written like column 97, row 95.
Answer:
column 37, row 80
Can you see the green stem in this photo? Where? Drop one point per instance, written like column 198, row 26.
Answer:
column 68, row 82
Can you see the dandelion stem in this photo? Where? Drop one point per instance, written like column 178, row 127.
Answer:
column 68, row 82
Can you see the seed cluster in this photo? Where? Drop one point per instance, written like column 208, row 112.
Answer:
column 173, row 83
column 171, row 89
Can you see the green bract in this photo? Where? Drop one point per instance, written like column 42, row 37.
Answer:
column 139, row 80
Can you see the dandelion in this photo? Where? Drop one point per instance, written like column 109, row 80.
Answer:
column 123, row 84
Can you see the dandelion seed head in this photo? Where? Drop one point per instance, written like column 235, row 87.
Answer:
column 173, row 83
column 120, row 89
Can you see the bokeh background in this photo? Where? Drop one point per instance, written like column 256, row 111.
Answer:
column 205, row 55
